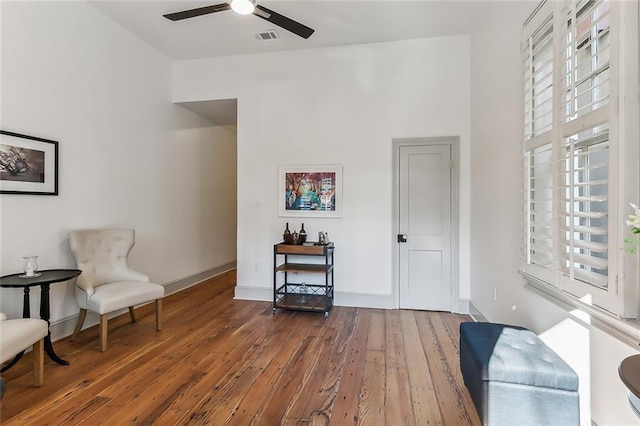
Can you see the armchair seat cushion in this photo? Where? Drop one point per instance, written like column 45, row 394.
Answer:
column 17, row 335
column 122, row 294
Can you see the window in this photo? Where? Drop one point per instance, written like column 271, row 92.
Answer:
column 571, row 143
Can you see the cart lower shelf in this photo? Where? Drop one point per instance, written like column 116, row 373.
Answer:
column 289, row 297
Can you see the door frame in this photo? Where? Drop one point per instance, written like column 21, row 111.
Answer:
column 454, row 144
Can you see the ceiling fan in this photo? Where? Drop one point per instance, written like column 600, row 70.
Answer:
column 246, row 7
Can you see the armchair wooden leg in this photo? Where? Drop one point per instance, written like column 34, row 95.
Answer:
column 38, row 362
column 132, row 314
column 81, row 316
column 158, row 314
column 104, row 319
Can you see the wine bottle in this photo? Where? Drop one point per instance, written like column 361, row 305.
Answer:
column 303, row 234
column 286, row 236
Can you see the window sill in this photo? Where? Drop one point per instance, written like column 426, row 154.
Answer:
column 626, row 330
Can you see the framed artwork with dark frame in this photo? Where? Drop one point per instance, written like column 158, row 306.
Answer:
column 310, row 191
column 28, row 165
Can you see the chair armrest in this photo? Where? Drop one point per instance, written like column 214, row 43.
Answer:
column 84, row 282
column 88, row 280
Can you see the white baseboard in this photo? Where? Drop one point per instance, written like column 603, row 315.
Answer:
column 342, row 298
column 364, row 300
column 475, row 313
column 360, row 300
column 463, row 306
column 264, row 294
column 191, row 280
column 64, row 327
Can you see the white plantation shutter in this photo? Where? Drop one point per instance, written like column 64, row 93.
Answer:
column 538, row 84
column 586, row 50
column 538, row 62
column 573, row 142
column 583, row 155
column 583, row 213
column 540, row 203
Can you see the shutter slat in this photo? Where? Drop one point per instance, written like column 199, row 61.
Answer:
column 584, row 230
column 589, row 261
column 591, row 277
column 590, row 245
column 590, row 215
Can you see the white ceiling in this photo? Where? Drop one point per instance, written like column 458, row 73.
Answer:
column 336, row 23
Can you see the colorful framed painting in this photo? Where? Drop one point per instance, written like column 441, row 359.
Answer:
column 28, row 165
column 310, row 191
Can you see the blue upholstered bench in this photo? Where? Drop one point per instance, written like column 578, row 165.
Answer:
column 515, row 379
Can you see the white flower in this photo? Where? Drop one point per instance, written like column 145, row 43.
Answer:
column 633, row 242
column 634, row 220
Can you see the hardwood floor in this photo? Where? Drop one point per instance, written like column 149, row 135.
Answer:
column 222, row 361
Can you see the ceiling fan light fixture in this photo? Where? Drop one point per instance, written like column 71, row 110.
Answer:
column 243, row 7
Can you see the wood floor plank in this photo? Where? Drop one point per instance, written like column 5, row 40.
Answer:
column 424, row 401
column 443, row 369
column 314, row 400
column 449, row 339
column 372, row 400
column 377, row 331
column 398, row 408
column 345, row 410
column 291, row 380
column 225, row 361
column 345, row 320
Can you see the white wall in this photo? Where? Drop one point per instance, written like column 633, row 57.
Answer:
column 496, row 201
column 341, row 105
column 128, row 156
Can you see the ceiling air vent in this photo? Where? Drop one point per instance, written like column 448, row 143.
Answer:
column 267, row 35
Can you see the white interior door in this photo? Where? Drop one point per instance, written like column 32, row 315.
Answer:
column 425, row 220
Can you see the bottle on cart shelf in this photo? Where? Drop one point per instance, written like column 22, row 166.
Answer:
column 286, row 236
column 304, row 292
column 321, row 238
column 302, row 236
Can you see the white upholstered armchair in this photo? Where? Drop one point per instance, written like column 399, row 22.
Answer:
column 107, row 284
column 16, row 335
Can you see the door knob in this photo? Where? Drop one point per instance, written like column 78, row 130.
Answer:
column 402, row 238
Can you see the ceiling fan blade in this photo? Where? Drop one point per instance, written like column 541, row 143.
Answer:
column 282, row 21
column 192, row 13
